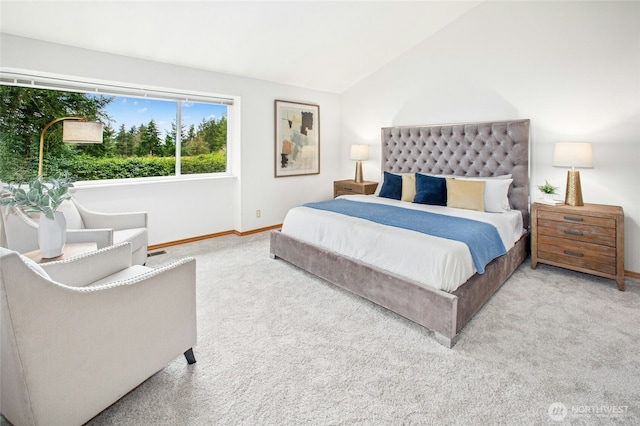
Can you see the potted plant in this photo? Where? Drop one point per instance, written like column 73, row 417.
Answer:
column 42, row 197
column 547, row 190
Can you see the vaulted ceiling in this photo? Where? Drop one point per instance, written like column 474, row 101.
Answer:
column 322, row 45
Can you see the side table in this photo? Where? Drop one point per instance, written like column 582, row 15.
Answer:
column 69, row 250
column 588, row 238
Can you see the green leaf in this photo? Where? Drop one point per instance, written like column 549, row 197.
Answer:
column 40, row 196
column 48, row 212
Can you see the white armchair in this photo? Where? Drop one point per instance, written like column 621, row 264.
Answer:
column 83, row 225
column 80, row 333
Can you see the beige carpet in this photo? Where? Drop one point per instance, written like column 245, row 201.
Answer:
column 277, row 346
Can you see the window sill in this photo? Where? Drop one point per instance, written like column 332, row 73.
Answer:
column 149, row 180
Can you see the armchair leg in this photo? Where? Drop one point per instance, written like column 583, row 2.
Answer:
column 191, row 359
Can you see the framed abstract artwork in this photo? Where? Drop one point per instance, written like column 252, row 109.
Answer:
column 297, row 139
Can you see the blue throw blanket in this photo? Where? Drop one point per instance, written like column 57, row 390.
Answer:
column 483, row 239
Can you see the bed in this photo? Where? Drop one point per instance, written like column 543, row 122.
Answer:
column 484, row 152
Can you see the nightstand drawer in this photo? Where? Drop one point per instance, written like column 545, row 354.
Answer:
column 349, row 187
column 584, row 255
column 575, row 218
column 577, row 232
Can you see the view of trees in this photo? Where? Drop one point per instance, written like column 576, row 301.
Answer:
column 139, row 151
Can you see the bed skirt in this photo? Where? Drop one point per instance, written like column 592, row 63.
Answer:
column 445, row 314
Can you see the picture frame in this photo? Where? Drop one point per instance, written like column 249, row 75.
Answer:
column 297, row 138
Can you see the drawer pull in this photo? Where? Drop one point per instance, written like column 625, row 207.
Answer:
column 346, row 188
column 575, row 219
column 576, row 233
column 573, row 253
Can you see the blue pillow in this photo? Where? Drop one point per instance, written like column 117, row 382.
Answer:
column 391, row 186
column 430, row 190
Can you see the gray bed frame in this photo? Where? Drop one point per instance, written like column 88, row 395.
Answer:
column 466, row 149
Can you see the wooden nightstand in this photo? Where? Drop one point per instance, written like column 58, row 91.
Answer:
column 350, row 186
column 588, row 239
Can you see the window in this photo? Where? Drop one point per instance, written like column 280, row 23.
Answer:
column 146, row 134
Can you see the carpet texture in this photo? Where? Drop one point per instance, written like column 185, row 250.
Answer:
column 278, row 346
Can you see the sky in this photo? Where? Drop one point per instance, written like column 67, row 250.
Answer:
column 137, row 111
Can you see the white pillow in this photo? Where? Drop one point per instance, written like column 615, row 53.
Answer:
column 496, row 191
column 496, row 198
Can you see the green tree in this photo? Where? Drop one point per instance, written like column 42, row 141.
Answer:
column 214, row 133
column 220, row 135
column 24, row 112
column 196, row 146
column 191, row 134
column 170, row 140
column 169, row 147
column 124, row 142
column 150, row 142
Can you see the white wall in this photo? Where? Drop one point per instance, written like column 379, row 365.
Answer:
column 181, row 209
column 573, row 68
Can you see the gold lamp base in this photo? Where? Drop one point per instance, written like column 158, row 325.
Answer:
column 359, row 178
column 573, row 195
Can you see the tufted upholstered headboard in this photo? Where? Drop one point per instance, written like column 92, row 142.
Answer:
column 465, row 149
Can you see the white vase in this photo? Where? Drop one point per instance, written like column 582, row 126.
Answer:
column 52, row 234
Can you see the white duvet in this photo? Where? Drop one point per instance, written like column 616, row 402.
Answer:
column 431, row 261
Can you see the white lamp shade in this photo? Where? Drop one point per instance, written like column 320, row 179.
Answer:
column 360, row 152
column 573, row 154
column 81, row 131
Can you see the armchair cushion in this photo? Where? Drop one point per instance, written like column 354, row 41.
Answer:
column 125, row 274
column 90, row 267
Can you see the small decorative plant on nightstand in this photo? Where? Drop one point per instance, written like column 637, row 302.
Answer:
column 547, row 188
column 548, row 191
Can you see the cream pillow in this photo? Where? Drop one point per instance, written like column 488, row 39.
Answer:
column 465, row 194
column 408, row 187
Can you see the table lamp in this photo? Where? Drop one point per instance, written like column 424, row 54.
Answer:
column 573, row 154
column 359, row 153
